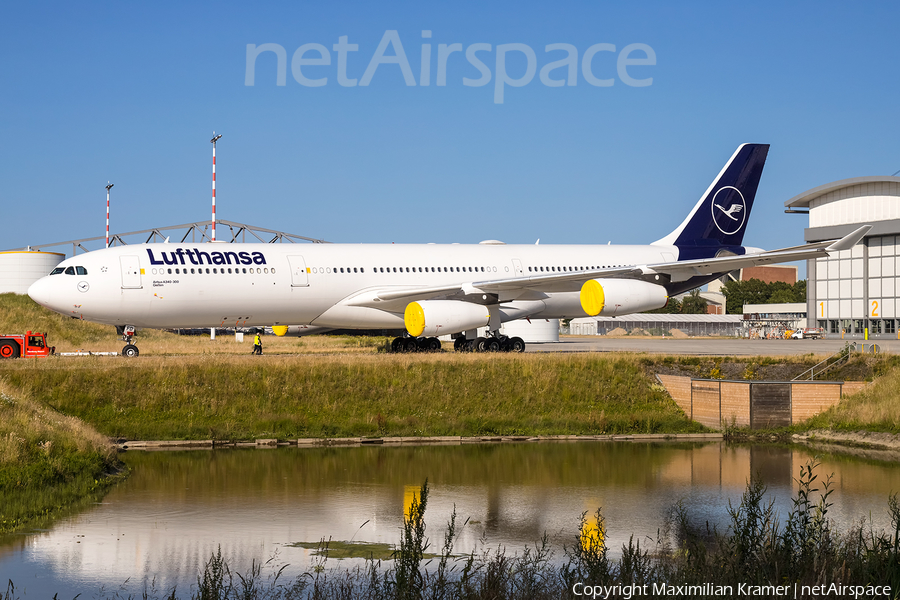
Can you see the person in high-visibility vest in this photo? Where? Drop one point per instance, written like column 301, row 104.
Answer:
column 257, row 344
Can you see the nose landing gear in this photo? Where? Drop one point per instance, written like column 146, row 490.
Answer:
column 127, row 332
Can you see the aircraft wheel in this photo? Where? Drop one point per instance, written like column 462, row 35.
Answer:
column 479, row 344
column 459, row 344
column 492, row 345
column 433, row 344
column 9, row 350
column 410, row 345
column 470, row 346
column 516, row 344
column 397, row 344
column 130, row 351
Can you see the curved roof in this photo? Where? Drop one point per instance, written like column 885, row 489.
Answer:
column 803, row 200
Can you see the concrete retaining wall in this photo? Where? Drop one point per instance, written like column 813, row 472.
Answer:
column 755, row 404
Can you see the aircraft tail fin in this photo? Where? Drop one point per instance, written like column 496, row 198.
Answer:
column 720, row 216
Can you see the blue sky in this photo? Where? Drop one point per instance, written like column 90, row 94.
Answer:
column 131, row 92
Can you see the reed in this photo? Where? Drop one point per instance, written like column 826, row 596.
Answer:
column 756, row 557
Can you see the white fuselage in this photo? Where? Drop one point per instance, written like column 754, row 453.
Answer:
column 211, row 285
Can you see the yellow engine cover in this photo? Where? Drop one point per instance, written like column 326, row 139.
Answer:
column 414, row 319
column 593, row 299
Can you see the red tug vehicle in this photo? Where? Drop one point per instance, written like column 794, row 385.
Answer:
column 28, row 345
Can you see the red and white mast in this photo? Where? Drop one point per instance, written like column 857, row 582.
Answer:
column 108, row 185
column 213, row 141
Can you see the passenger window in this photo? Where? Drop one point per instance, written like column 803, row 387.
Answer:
column 170, row 271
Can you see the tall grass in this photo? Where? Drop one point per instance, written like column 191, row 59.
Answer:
column 48, row 461
column 876, row 408
column 246, row 397
column 753, row 558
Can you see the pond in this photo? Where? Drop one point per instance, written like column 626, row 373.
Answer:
column 178, row 507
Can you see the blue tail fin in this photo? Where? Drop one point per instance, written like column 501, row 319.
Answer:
column 720, row 217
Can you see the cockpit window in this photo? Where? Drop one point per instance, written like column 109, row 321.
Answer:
column 81, row 270
column 57, row 271
column 70, row 271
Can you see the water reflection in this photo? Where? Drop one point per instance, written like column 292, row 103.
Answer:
column 178, row 507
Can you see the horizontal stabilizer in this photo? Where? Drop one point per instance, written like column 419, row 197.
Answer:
column 849, row 240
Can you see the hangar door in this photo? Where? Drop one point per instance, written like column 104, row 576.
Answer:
column 299, row 273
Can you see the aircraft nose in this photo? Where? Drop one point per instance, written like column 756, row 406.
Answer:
column 40, row 291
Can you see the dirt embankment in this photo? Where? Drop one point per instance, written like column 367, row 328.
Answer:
column 872, row 444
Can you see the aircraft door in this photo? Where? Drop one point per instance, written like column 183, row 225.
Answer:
column 517, row 267
column 299, row 272
column 131, row 272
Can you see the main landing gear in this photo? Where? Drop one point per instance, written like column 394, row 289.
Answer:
column 127, row 332
column 411, row 344
column 492, row 343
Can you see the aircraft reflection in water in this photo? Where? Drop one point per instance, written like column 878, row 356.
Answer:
column 179, row 507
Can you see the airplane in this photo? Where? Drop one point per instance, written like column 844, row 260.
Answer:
column 429, row 290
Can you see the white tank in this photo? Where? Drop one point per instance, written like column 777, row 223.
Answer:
column 19, row 269
column 536, row 331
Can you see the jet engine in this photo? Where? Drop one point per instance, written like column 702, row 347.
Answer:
column 611, row 297
column 442, row 317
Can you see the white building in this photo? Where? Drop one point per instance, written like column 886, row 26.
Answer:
column 855, row 291
column 659, row 324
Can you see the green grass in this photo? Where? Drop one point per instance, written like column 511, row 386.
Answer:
column 194, row 388
column 50, row 464
column 340, row 550
column 245, row 397
column 876, row 408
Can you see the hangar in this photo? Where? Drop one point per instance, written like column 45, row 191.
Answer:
column 855, row 292
column 21, row 267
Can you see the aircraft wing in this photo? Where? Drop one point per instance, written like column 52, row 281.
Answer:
column 533, row 287
column 682, row 270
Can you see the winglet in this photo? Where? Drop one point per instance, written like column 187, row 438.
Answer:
column 849, row 240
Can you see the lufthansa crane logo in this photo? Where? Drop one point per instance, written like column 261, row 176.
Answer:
column 729, row 210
